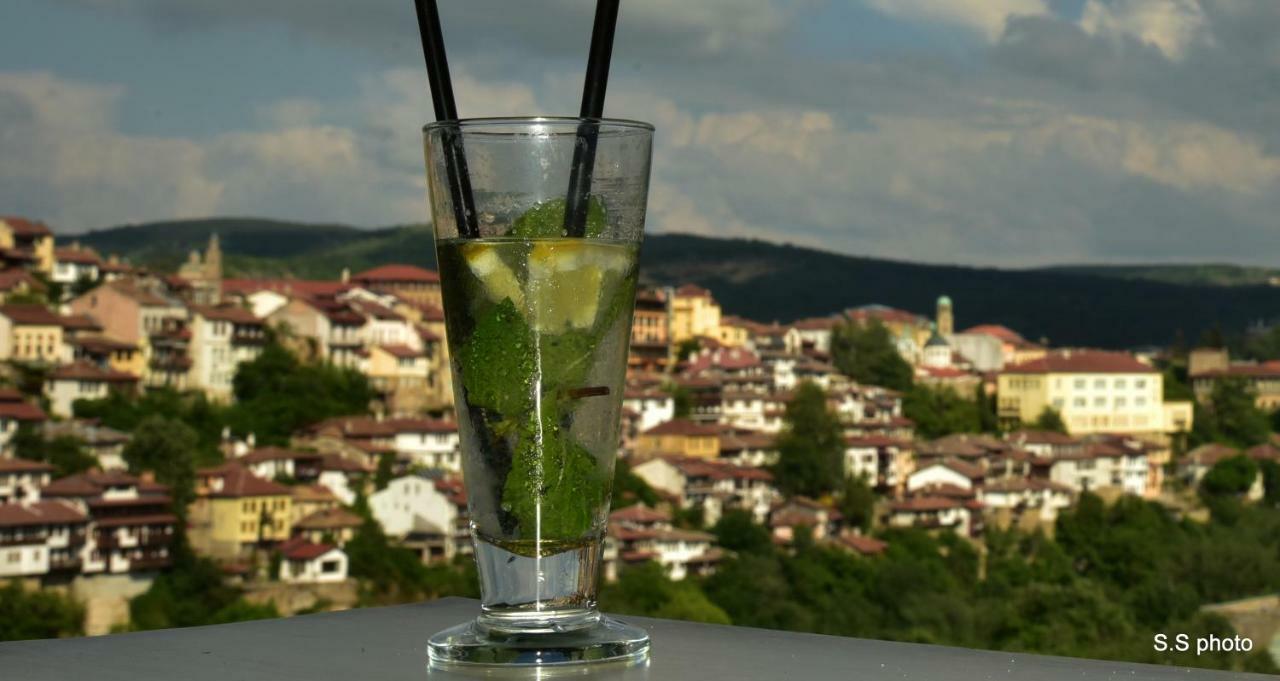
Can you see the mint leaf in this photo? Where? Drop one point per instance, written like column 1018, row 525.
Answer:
column 546, row 219
column 497, row 362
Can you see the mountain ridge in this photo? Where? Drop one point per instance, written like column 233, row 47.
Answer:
column 1068, row 305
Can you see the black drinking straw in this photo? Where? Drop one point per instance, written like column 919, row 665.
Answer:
column 455, row 161
column 593, row 87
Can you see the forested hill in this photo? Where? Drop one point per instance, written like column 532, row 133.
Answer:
column 1097, row 306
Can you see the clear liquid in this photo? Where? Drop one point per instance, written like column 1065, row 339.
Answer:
column 538, row 332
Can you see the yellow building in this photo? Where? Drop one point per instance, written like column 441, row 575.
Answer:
column 694, row 313
column 679, row 436
column 735, row 331
column 1094, row 391
column 30, row 333
column 236, row 511
column 29, row 241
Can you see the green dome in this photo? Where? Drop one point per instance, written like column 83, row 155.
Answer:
column 944, row 300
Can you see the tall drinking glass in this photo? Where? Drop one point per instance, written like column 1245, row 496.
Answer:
column 538, row 312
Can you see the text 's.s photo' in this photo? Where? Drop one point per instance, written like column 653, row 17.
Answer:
column 614, row 339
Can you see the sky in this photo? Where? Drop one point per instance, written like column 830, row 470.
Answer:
column 995, row 132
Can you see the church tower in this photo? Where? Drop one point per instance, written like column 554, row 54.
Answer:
column 945, row 320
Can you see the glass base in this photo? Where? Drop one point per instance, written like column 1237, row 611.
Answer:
column 604, row 640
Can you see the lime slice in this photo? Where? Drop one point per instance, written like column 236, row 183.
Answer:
column 497, row 278
column 564, row 286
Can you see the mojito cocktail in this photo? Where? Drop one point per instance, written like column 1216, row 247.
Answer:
column 538, row 312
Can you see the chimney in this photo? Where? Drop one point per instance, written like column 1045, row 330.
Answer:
column 346, row 275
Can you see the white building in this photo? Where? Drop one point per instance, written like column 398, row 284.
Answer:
column 644, row 534
column 884, row 462
column 935, row 513
column 1102, row 465
column 413, row 504
column 431, row 443
column 39, row 536
column 947, row 472
column 303, row 562
column 1019, row 496
column 21, row 480
column 222, row 338
column 651, row 407
column 83, row 381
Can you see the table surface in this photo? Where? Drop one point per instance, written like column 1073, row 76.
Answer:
column 374, row 644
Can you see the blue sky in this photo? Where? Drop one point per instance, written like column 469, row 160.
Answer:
column 1007, row 132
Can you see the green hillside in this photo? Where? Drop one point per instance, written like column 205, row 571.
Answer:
column 1096, row 306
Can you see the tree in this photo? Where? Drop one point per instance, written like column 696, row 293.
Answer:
column 1230, row 477
column 867, row 354
column 166, row 447
column 1233, row 416
column 810, row 447
column 1050, row 420
column 682, row 400
column 386, row 465
column 37, row 614
column 687, row 348
column 629, row 488
column 646, row 590
column 276, row 394
column 65, row 453
column 940, row 411
column 192, row 593
column 1270, row 471
column 738, row 531
column 988, row 416
column 857, row 502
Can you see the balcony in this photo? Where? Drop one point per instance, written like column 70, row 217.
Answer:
column 378, row 644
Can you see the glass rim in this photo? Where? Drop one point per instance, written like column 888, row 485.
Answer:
column 483, row 124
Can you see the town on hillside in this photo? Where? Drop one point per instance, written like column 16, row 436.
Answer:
column 953, row 428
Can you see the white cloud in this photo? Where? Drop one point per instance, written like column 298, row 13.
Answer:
column 1171, row 26
column 987, row 17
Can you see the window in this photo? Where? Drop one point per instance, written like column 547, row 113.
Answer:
column 1078, row 402
column 1140, row 401
column 1099, row 401
column 1057, row 403
column 1079, row 383
column 1100, row 383
column 1140, row 383
column 1121, row 402
column 329, row 567
column 1120, row 383
column 14, row 556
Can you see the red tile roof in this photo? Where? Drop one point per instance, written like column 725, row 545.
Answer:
column 683, row 427
column 1082, row 362
column 10, row 278
column 31, row 314
column 25, row 227
column 692, row 291
column 238, row 482
column 23, row 466
column 395, row 274
column 80, row 322
column 867, row 546
column 997, row 331
column 332, row 518
column 274, row 454
column 402, row 351
column 84, row 371
column 639, row 513
column 421, row 425
column 305, row 288
column 137, row 520
column 919, row 504
column 81, row 255
column 226, row 313
column 21, row 411
column 102, row 344
column 301, row 549
column 46, row 512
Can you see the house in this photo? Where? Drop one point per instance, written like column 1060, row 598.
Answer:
column 29, row 241
column 679, row 436
column 1208, row 366
column 222, row 338
column 430, row 443
column 1108, row 464
column 331, row 329
column 952, row 472
column 650, row 348
column 17, row 281
column 105, row 353
column 30, row 332
column 1008, row 501
column 1045, row 443
column 1013, row 348
column 105, row 444
column 343, row 476
column 787, row 517
column 748, row 448
column 40, row 537
column 652, row 406
column 131, row 520
column 403, row 376
column 75, row 264
column 309, row 499
column 130, row 312
column 21, row 480
column 334, row 525
column 908, row 330
column 414, row 509
column 810, row 335
column 15, row 411
column 710, row 485
column 411, row 283
column 883, row 461
column 643, row 534
column 858, row 544
column 305, row 562
column 1095, row 392
column 936, row 512
column 1197, row 462
column 236, row 511
column 83, row 381
column 271, row 463
column 694, row 314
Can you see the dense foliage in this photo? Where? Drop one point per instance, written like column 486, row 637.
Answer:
column 940, row 411
column 65, row 453
column 37, row 614
column 166, row 447
column 192, row 593
column 867, row 354
column 394, row 574
column 810, row 447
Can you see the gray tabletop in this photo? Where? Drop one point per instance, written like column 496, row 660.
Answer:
column 389, row 643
